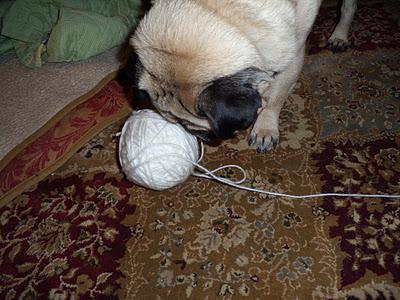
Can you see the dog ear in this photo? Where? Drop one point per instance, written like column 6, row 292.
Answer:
column 130, row 74
column 230, row 103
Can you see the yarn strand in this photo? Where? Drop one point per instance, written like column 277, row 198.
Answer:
column 210, row 174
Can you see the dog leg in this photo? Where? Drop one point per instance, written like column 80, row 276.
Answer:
column 265, row 133
column 339, row 38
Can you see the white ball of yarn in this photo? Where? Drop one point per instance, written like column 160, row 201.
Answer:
column 155, row 153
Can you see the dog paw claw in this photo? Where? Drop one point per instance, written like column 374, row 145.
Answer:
column 337, row 45
column 263, row 142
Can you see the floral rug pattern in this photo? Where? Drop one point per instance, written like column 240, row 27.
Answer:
column 85, row 232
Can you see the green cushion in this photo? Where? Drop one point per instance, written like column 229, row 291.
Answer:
column 5, row 43
column 81, row 34
column 66, row 30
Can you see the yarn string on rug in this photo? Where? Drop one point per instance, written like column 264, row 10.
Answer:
column 210, row 174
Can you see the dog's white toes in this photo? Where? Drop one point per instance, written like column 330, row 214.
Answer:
column 337, row 45
column 263, row 140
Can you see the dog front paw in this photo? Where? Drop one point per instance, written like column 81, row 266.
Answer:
column 263, row 139
column 337, row 44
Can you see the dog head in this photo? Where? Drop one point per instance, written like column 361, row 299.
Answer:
column 206, row 78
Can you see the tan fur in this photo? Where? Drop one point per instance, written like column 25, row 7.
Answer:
column 185, row 44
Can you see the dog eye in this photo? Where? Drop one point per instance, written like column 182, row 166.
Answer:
column 200, row 112
column 141, row 95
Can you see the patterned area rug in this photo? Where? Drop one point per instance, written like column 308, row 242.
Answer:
column 84, row 231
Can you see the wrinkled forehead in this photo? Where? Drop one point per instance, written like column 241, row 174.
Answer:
column 182, row 67
column 162, row 73
column 156, row 63
column 158, row 89
column 174, row 70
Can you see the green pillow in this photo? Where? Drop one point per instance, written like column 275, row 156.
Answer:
column 66, row 30
column 5, row 43
column 81, row 34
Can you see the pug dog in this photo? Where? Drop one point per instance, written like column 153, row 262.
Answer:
column 218, row 67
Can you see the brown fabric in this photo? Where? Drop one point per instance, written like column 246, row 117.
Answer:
column 61, row 137
column 29, row 98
